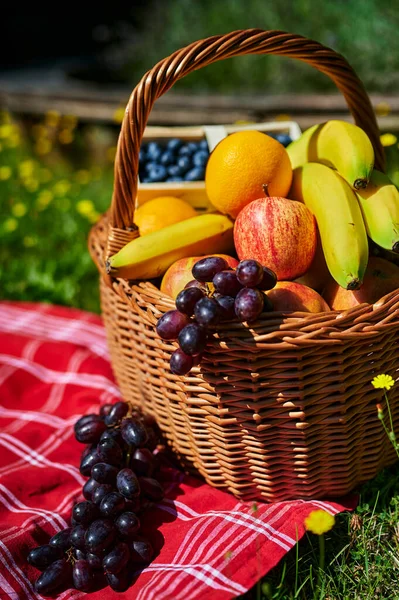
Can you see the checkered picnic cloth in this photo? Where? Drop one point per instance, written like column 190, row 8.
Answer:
column 54, row 367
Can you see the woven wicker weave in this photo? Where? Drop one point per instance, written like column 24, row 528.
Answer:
column 281, row 409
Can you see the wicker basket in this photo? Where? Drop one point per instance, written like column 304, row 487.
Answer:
column 282, row 409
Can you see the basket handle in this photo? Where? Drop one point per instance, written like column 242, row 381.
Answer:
column 199, row 54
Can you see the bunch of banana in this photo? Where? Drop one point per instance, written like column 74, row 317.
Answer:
column 334, row 176
column 151, row 255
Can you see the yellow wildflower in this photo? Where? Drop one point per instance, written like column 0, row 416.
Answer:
column 45, row 175
column 19, row 209
column 93, row 216
column 65, row 136
column 31, row 184
column 69, row 121
column 383, row 109
column 44, row 199
column 29, row 241
column 52, row 118
column 319, row 521
column 26, row 168
column 111, row 152
column 43, row 146
column 119, row 114
column 14, row 140
column 388, row 139
column 82, row 177
column 6, row 131
column 383, row 382
column 10, row 224
column 62, row 187
column 85, row 207
column 5, row 173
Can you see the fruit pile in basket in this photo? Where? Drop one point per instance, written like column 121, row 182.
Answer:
column 312, row 215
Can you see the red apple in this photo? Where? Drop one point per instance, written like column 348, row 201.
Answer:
column 279, row 233
column 381, row 277
column 291, row 296
column 179, row 273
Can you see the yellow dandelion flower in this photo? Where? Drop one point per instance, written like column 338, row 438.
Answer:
column 383, row 382
column 39, row 131
column 382, row 109
column 82, row 177
column 45, row 175
column 10, row 225
column 119, row 114
column 65, row 136
column 26, row 168
column 14, row 140
column 93, row 216
column 19, row 209
column 43, row 199
column 5, row 173
column 43, row 146
column 69, row 121
column 6, row 131
column 29, row 241
column 85, row 207
column 111, row 152
column 388, row 139
column 62, row 187
column 319, row 521
column 52, row 118
column 31, row 184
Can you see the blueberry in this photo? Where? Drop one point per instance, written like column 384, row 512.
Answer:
column 175, row 171
column 174, row 144
column 157, row 173
column 186, row 150
column 203, row 145
column 175, row 178
column 196, row 174
column 154, row 151
column 167, row 158
column 283, row 138
column 150, row 165
column 184, row 163
column 200, row 158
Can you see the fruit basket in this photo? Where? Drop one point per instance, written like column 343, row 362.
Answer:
column 280, row 408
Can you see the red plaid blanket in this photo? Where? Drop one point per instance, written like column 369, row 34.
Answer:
column 54, row 367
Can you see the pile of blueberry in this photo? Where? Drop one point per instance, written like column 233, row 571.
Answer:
column 174, row 161
column 216, row 294
column 103, row 546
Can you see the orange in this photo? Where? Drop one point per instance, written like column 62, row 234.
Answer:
column 240, row 165
column 161, row 212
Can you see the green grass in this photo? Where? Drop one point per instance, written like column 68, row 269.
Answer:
column 48, row 203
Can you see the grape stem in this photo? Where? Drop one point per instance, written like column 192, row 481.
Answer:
column 70, row 557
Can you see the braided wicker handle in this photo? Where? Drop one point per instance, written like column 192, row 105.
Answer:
column 199, row 54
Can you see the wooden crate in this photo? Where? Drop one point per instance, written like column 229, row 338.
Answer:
column 194, row 191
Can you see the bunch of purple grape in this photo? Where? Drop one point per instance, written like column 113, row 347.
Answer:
column 103, row 545
column 216, row 294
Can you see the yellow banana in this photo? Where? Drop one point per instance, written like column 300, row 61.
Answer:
column 339, row 145
column 151, row 255
column 339, row 219
column 379, row 203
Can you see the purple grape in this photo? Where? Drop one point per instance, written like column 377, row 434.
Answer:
column 115, row 560
column 192, row 339
column 110, row 452
column 95, row 562
column 100, row 535
column 90, row 433
column 205, row 269
column 134, row 432
column 187, row 299
column 121, row 581
column 43, row 556
column 105, row 409
column 151, row 488
column 112, row 504
column 226, row 283
column 180, row 363
column 89, row 488
column 195, row 284
column 85, row 512
column 207, row 313
column 61, row 540
column 127, row 524
column 143, row 462
column 79, row 554
column 104, row 473
column 82, row 576
column 116, row 414
column 269, row 279
column 226, row 304
column 78, row 537
column 57, row 577
column 102, row 490
column 88, row 462
column 267, row 304
column 112, row 434
column 170, row 324
column 248, row 304
column 249, row 273
column 127, row 484
column 91, row 418
column 142, row 551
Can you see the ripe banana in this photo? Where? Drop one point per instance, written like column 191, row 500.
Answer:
column 149, row 256
column 339, row 219
column 379, row 203
column 339, row 145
